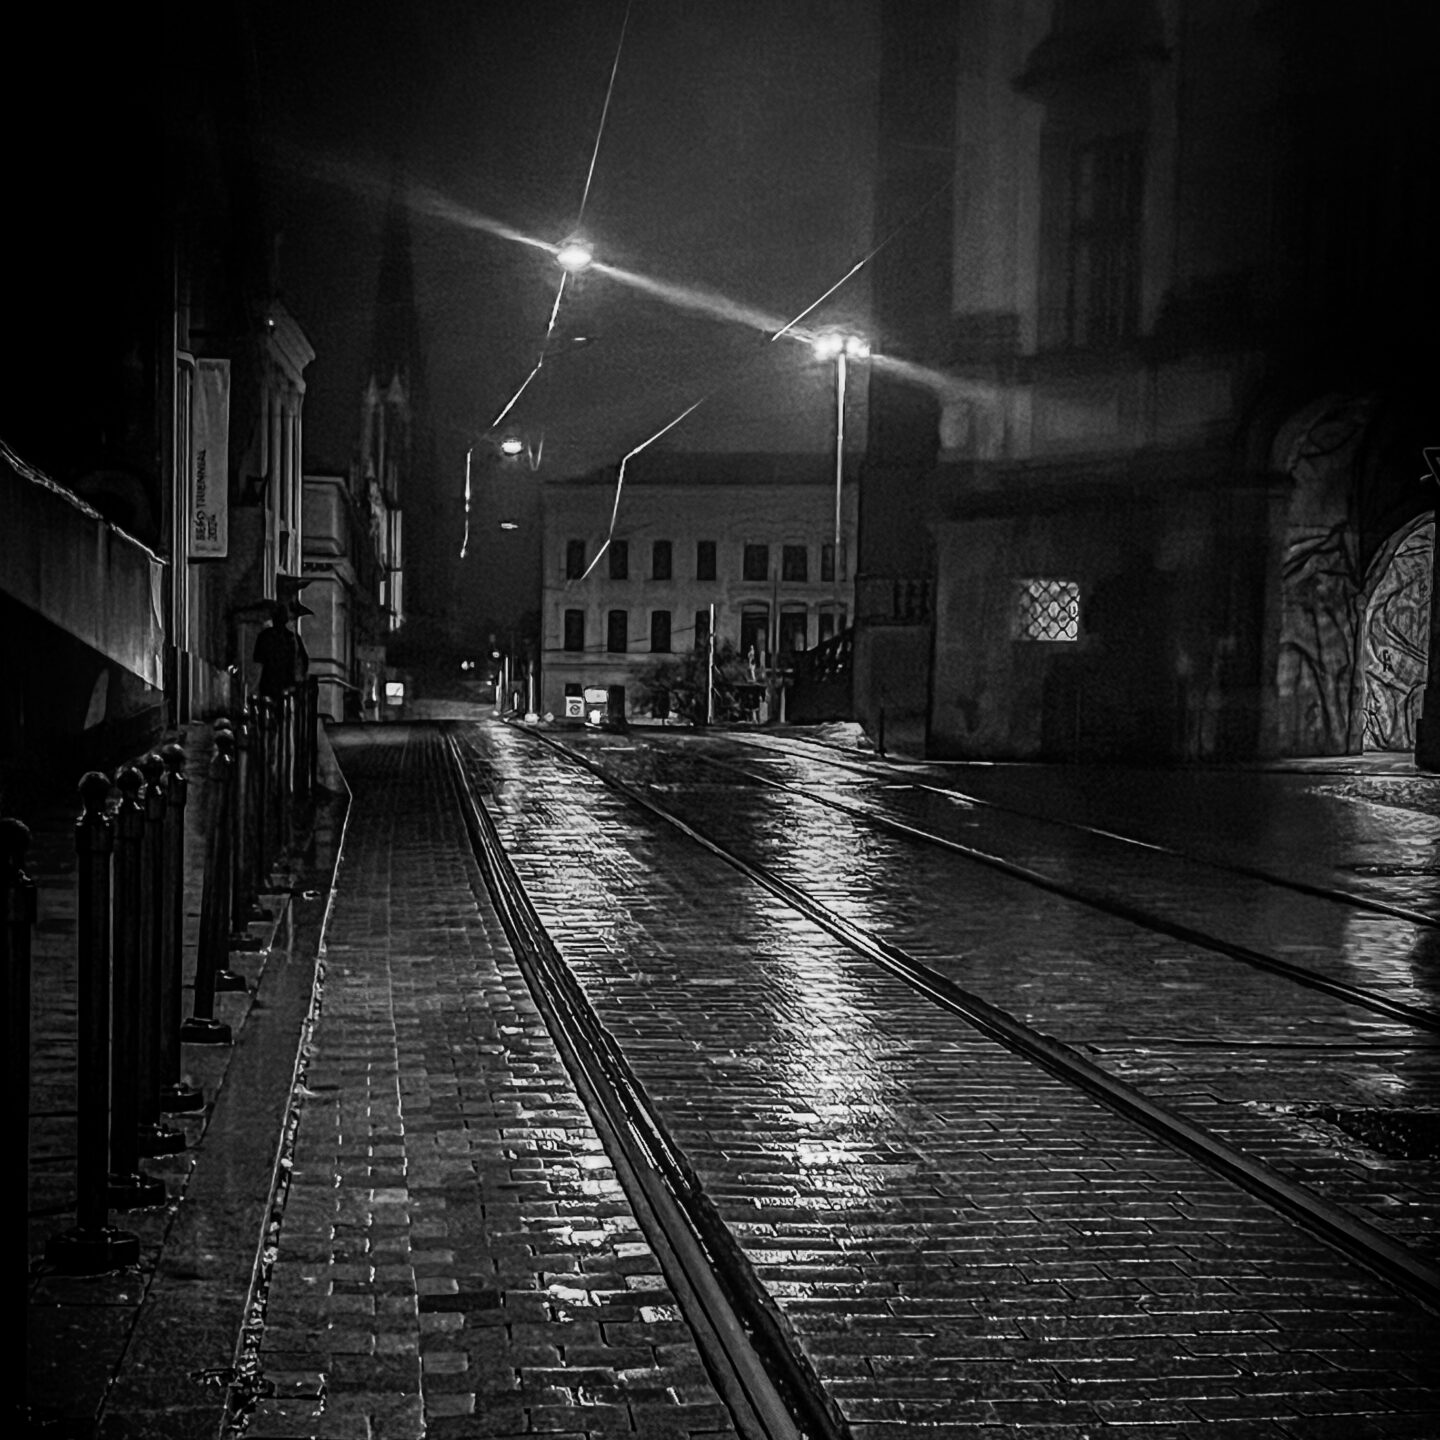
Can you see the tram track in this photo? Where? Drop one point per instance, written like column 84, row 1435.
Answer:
column 1357, row 995
column 817, row 751
column 1399, row 1266
column 759, row 1369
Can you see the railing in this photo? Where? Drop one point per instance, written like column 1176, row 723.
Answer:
column 131, row 880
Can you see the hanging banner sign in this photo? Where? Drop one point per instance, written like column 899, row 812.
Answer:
column 210, row 460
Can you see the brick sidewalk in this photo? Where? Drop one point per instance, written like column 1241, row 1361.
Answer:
column 144, row 1351
column 455, row 1257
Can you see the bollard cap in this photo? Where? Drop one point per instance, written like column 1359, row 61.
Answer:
column 94, row 793
column 128, row 781
column 14, row 842
column 225, row 741
column 152, row 767
column 174, row 757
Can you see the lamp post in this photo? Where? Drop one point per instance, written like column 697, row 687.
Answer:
column 842, row 349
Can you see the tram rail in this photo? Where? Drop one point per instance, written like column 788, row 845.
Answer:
column 1399, row 1265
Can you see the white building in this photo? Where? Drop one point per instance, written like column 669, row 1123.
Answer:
column 752, row 535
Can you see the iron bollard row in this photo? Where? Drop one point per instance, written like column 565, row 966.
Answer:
column 131, row 898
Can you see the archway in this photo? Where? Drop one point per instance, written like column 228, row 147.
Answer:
column 1395, row 636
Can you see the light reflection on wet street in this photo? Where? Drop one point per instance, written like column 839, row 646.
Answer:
column 915, row 1196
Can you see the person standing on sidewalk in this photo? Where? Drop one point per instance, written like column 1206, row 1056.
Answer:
column 280, row 653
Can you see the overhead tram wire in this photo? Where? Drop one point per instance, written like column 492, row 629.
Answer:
column 564, row 275
column 698, row 299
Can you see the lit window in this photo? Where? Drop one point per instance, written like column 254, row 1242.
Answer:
column 1048, row 610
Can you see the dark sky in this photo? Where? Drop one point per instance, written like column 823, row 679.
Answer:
column 736, row 157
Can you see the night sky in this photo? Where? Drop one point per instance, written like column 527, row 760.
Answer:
column 736, row 157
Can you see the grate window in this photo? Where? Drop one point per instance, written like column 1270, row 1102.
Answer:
column 1049, row 610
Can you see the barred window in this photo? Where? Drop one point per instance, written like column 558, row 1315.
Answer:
column 1048, row 610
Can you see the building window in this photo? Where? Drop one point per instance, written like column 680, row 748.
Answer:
column 660, row 560
column 794, row 628
column 756, row 563
column 704, row 559
column 574, row 629
column 795, row 563
column 1103, row 305
column 660, row 632
column 702, row 627
column 827, row 561
column 574, row 559
column 619, row 559
column 755, row 631
column 617, row 631
column 1048, row 610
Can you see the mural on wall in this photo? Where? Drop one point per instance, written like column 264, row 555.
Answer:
column 1321, row 584
column 1397, row 631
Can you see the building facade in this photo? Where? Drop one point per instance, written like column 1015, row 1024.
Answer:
column 751, row 536
column 1155, row 460
column 150, row 441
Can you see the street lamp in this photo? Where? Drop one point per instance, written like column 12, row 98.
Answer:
column 511, row 445
column 574, row 255
column 841, row 349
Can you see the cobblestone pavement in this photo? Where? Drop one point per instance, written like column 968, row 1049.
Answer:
column 455, row 1255
column 143, row 1351
column 1274, row 1068
column 964, row 1245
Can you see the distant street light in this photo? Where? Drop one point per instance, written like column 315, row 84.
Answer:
column 574, row 255
column 509, row 525
column 841, row 349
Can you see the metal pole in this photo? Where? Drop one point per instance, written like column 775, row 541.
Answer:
column 710, row 671
column 17, row 919
column 176, row 1097
column 92, row 1246
column 153, row 1137
column 202, row 1028
column 839, row 456
column 130, row 1187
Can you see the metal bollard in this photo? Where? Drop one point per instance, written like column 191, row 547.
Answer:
column 92, row 1246
column 242, row 902
column 130, row 1187
column 202, row 1028
column 152, row 1137
column 176, row 1097
column 225, row 978
column 17, row 921
column 286, row 785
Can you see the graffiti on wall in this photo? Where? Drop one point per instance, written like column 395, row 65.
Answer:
column 1321, row 583
column 1397, row 628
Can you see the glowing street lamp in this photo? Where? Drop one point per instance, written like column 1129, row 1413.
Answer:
column 841, row 349
column 511, row 445
column 574, row 255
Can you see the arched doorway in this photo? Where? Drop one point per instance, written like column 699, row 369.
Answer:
column 1395, row 636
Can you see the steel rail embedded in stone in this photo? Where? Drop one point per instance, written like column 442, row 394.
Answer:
column 759, row 1368
column 1398, row 1265
column 1133, row 914
column 1332, row 893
